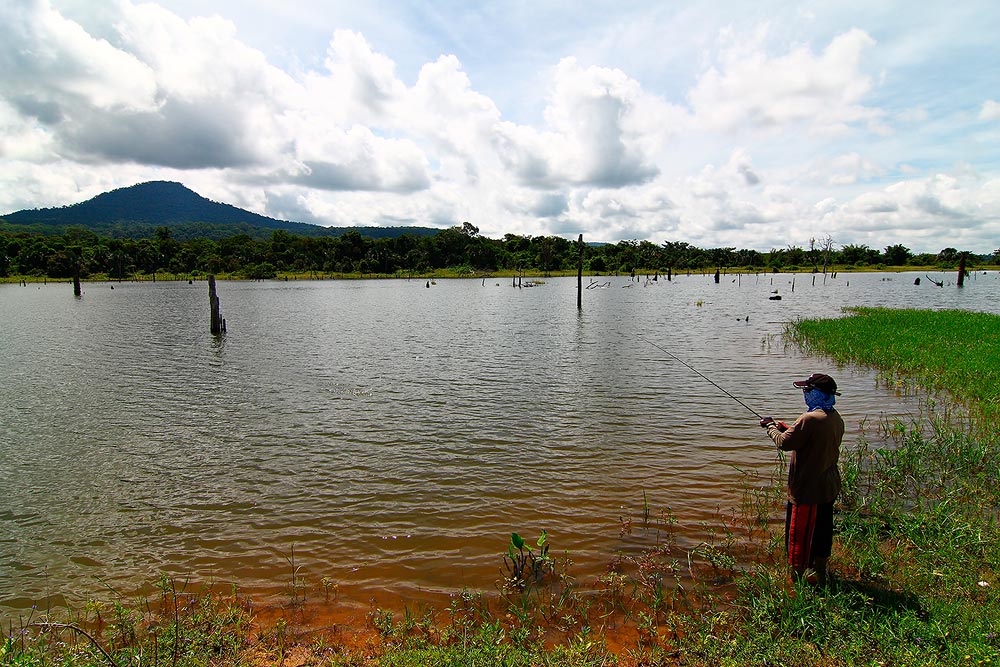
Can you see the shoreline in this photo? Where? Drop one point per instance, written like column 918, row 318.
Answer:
column 534, row 276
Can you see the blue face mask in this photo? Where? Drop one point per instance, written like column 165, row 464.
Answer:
column 819, row 399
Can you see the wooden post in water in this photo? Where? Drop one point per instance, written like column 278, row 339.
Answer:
column 76, row 282
column 579, row 275
column 218, row 324
column 961, row 271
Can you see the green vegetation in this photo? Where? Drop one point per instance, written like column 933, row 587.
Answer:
column 951, row 350
column 915, row 564
column 457, row 251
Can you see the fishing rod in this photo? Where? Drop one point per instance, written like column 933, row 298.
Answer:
column 702, row 375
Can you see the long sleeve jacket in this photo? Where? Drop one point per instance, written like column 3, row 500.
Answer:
column 814, row 440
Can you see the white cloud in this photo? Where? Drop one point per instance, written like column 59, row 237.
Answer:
column 753, row 141
column 362, row 84
column 49, row 61
column 990, row 110
column 748, row 88
column 357, row 159
column 456, row 122
column 601, row 132
column 957, row 209
column 849, row 169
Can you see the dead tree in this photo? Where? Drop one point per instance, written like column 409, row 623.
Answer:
column 218, row 325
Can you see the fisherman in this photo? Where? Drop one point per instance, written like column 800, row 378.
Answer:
column 813, row 478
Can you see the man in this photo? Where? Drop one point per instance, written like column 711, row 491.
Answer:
column 813, row 478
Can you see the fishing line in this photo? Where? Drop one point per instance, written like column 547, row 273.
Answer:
column 701, row 375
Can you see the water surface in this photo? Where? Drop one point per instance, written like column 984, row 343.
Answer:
column 388, row 435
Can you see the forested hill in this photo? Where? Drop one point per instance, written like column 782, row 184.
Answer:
column 137, row 211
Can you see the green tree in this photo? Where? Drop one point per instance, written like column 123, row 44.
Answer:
column 947, row 256
column 897, row 255
column 722, row 257
column 795, row 256
column 675, row 254
column 858, row 254
column 776, row 259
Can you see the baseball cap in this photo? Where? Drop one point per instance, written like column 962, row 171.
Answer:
column 819, row 381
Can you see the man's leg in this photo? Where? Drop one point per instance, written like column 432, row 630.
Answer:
column 800, row 523
column 822, row 544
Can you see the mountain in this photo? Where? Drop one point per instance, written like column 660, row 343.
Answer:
column 137, row 211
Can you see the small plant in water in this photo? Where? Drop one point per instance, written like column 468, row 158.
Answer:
column 297, row 587
column 329, row 585
column 523, row 567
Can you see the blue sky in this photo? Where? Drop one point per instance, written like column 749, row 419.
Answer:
column 755, row 125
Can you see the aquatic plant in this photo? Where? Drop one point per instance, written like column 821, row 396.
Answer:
column 523, row 567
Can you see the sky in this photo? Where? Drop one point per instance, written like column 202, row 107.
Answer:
column 721, row 124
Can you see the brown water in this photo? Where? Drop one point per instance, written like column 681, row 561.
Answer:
column 386, row 435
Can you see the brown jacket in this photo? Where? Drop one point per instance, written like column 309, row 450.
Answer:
column 814, row 440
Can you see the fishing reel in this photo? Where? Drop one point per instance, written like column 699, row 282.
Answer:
column 767, row 421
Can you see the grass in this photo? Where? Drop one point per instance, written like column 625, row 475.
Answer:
column 915, row 563
column 950, row 350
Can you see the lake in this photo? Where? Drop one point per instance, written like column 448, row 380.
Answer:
column 388, row 435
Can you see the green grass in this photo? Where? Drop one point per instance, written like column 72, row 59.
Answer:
column 951, row 350
column 916, row 562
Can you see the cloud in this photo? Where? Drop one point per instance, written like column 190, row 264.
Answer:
column 990, row 110
column 942, row 210
column 876, row 202
column 721, row 183
column 369, row 77
column 740, row 139
column 358, row 160
column 747, row 88
column 600, row 132
column 53, row 63
column 535, row 203
column 169, row 93
column 455, row 121
column 849, row 169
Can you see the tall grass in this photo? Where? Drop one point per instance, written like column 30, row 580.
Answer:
column 951, row 350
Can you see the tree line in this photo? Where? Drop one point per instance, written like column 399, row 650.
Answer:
column 459, row 249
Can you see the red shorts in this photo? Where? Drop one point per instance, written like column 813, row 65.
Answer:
column 808, row 534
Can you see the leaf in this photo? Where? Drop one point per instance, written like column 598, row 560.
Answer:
column 541, row 538
column 517, row 540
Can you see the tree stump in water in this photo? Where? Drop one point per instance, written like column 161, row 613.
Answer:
column 961, row 271
column 218, row 324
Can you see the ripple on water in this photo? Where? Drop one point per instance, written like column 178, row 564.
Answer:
column 386, row 435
